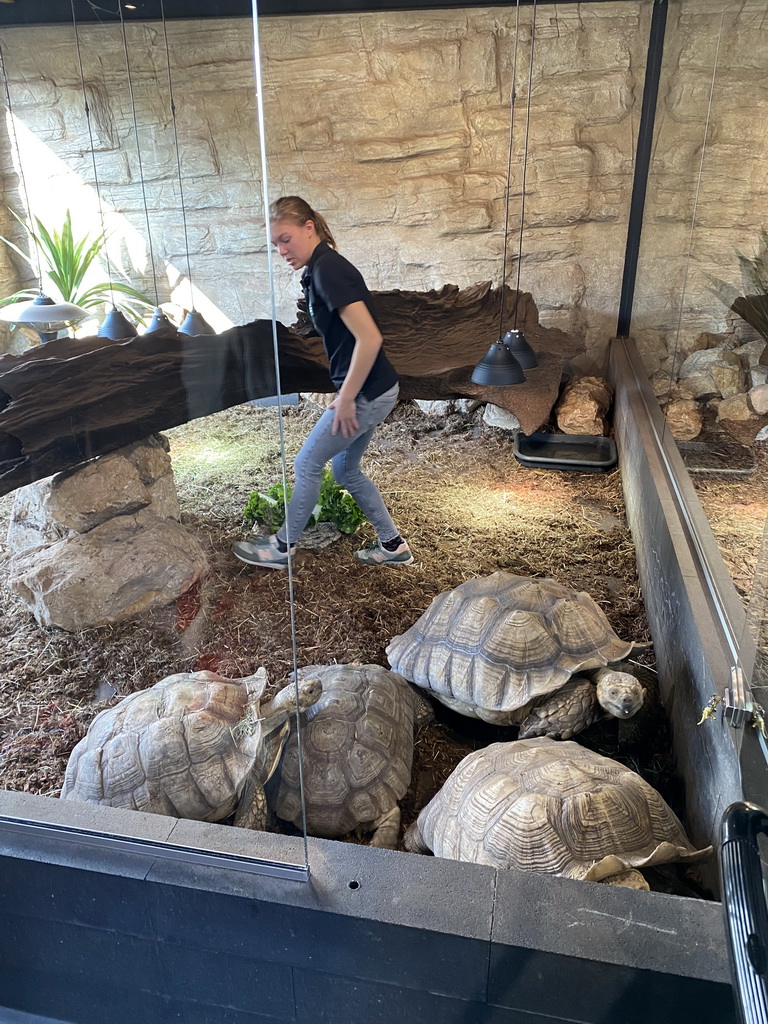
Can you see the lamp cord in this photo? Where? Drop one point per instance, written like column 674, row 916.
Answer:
column 93, row 151
column 512, row 100
column 138, row 154
column 525, row 163
column 281, row 429
column 178, row 157
column 17, row 147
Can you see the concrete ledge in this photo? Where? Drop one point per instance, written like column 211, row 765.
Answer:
column 352, row 886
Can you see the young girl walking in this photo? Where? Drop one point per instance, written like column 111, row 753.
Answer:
column 341, row 309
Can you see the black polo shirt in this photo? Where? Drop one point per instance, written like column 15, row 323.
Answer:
column 330, row 282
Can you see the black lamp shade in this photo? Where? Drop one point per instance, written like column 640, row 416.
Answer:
column 159, row 320
column 498, row 367
column 116, row 326
column 194, row 324
column 520, row 349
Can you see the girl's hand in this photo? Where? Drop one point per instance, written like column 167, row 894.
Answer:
column 346, row 416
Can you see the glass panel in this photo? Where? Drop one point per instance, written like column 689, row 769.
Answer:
column 702, row 228
column 699, row 316
column 112, row 128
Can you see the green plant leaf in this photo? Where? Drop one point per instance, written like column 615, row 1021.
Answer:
column 18, row 297
column 335, row 506
column 66, row 259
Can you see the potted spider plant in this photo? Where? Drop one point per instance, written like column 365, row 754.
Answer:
column 65, row 260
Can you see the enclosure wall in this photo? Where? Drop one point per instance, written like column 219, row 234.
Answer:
column 375, row 936
column 394, row 125
column 691, row 621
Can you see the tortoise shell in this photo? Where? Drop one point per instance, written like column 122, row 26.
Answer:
column 552, row 806
column 183, row 747
column 357, row 750
column 492, row 645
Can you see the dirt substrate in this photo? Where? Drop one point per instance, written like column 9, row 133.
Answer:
column 467, row 508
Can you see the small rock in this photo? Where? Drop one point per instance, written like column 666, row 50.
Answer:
column 736, row 408
column 758, row 397
column 758, row 375
column 441, row 408
column 583, row 406
column 501, row 418
column 466, row 406
column 684, row 418
column 762, row 434
column 319, row 536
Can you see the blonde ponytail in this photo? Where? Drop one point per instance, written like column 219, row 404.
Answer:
column 297, row 210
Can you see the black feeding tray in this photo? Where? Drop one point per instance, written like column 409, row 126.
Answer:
column 584, row 453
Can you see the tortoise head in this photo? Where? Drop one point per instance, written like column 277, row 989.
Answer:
column 272, row 727
column 292, row 698
column 619, row 693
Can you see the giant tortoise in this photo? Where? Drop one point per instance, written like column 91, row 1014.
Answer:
column 541, row 805
column 357, row 751
column 505, row 649
column 194, row 745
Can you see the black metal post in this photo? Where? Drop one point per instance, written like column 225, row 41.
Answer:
column 642, row 163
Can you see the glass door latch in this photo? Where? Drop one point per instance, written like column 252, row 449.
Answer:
column 739, row 707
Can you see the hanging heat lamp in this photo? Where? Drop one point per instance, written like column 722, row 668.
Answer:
column 116, row 326
column 42, row 314
column 45, row 316
column 504, row 362
column 159, row 320
column 194, row 323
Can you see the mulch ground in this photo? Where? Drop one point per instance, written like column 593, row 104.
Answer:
column 467, row 508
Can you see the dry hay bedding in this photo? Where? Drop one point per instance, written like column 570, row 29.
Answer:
column 456, row 491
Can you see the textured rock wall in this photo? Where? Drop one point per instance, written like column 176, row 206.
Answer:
column 708, row 187
column 396, row 125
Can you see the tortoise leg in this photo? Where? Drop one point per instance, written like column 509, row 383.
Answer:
column 413, row 840
column 387, row 830
column 563, row 713
column 252, row 809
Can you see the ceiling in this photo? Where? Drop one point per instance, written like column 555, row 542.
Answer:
column 55, row 12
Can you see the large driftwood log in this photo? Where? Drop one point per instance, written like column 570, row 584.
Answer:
column 73, row 399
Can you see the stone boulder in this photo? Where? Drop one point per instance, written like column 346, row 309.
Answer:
column 751, row 352
column 736, row 408
column 73, row 502
column 103, row 543
column 127, row 565
column 684, row 418
column 713, row 371
column 436, row 408
column 583, row 406
column 758, row 398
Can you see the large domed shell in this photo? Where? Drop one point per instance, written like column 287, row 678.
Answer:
column 357, row 746
column 552, row 806
column 170, row 749
column 498, row 642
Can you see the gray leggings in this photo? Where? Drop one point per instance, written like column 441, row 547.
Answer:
column 344, row 454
